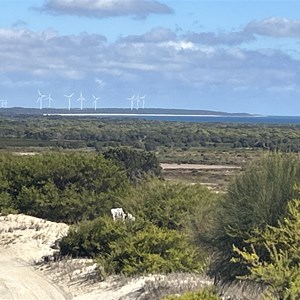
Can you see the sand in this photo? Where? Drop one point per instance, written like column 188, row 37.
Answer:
column 25, row 240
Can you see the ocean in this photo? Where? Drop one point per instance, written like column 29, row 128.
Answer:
column 194, row 118
column 222, row 119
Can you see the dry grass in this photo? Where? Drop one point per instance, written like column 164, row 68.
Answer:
column 160, row 286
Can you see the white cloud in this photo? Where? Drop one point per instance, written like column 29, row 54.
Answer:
column 106, row 8
column 181, row 45
column 274, row 27
column 162, row 62
column 100, row 82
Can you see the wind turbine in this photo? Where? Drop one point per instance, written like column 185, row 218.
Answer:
column 143, row 100
column 137, row 98
column 95, row 101
column 40, row 98
column 69, row 97
column 132, row 99
column 3, row 103
column 81, row 99
column 49, row 100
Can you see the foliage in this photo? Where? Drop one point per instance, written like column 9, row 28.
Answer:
column 144, row 134
column 171, row 205
column 66, row 187
column 157, row 241
column 256, row 199
column 137, row 163
column 131, row 247
column 204, row 294
column 281, row 272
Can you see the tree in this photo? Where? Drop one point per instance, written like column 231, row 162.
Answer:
column 137, row 163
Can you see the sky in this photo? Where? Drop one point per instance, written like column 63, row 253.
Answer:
column 231, row 56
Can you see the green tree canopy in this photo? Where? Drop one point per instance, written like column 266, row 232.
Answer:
column 66, row 187
column 137, row 163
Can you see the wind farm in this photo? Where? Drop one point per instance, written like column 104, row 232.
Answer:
column 89, row 105
column 84, row 103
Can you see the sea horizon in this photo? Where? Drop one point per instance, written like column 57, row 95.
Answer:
column 196, row 118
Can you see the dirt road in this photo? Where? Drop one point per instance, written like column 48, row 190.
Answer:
column 19, row 281
column 166, row 166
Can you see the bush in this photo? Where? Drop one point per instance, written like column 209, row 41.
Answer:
column 256, row 199
column 281, row 273
column 67, row 187
column 132, row 247
column 204, row 294
column 138, row 164
column 172, row 206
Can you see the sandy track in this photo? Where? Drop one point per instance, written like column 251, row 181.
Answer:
column 19, row 281
column 166, row 166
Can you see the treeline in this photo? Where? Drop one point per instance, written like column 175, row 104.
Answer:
column 148, row 135
column 71, row 187
column 251, row 233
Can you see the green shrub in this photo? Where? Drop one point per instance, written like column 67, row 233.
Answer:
column 257, row 198
column 66, row 187
column 154, row 250
column 281, row 273
column 132, row 247
column 138, row 164
column 169, row 205
column 91, row 238
column 204, row 294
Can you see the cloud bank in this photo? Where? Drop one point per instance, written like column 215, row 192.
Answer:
column 105, row 8
column 274, row 27
column 162, row 61
column 192, row 59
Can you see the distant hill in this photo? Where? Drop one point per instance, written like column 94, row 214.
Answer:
column 15, row 111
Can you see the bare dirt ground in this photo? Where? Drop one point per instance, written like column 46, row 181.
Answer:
column 215, row 177
column 166, row 166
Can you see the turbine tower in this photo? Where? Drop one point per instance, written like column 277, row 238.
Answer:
column 3, row 103
column 81, row 99
column 137, row 99
column 132, row 99
column 40, row 98
column 69, row 98
column 143, row 100
column 95, row 101
column 49, row 100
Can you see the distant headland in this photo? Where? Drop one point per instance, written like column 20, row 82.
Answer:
column 14, row 111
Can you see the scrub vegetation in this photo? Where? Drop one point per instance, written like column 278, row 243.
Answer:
column 246, row 233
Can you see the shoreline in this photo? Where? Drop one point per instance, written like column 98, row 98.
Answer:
column 143, row 115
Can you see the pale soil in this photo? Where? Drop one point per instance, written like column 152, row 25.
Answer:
column 166, row 166
column 18, row 280
column 24, row 240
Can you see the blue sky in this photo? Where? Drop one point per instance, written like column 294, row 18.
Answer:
column 233, row 56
